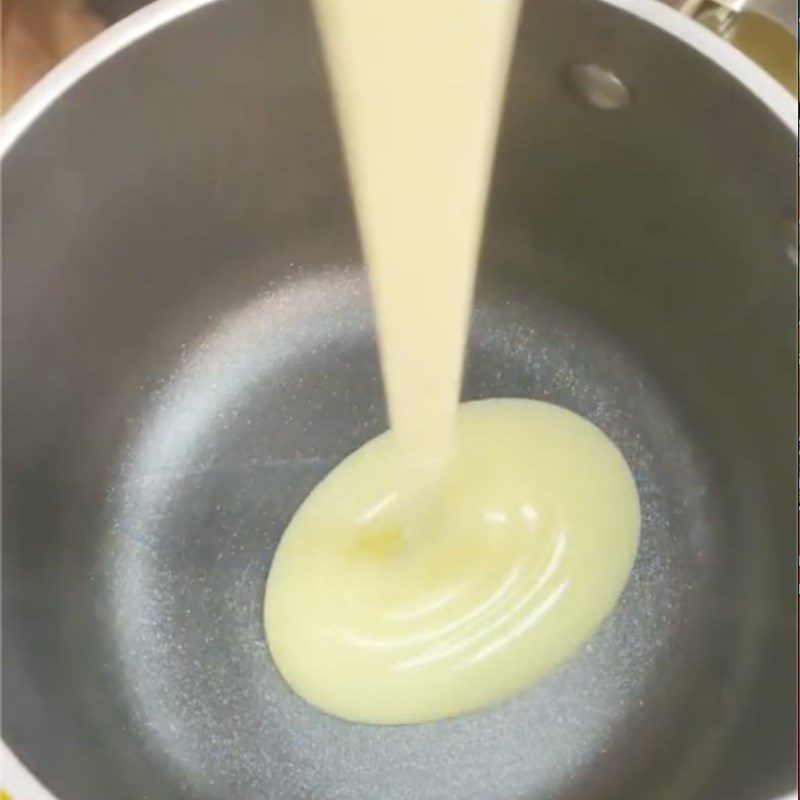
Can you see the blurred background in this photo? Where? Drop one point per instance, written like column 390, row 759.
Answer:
column 37, row 34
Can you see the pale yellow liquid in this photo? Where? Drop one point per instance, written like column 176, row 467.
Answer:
column 538, row 533
column 418, row 86
column 450, row 563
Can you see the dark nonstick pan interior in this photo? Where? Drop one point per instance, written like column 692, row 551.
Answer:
column 188, row 348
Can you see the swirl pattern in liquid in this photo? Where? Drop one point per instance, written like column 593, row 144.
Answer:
column 528, row 550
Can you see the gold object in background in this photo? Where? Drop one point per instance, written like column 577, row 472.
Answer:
column 764, row 30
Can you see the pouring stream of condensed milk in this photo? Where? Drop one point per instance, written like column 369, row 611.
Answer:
column 418, row 87
column 450, row 562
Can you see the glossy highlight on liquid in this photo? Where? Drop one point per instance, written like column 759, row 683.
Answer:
column 527, row 552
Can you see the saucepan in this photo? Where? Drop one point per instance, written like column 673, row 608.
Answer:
column 188, row 348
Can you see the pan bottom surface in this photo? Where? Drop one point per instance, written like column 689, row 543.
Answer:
column 264, row 404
